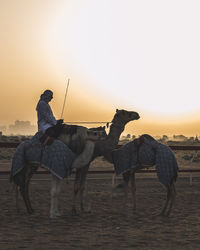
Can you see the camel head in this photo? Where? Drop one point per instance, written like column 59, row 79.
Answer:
column 94, row 135
column 99, row 131
column 122, row 117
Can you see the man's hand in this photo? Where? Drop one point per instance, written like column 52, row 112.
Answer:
column 60, row 121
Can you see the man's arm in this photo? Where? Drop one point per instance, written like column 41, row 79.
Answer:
column 46, row 113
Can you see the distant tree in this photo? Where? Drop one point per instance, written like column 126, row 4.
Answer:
column 191, row 139
column 133, row 137
column 128, row 136
column 165, row 138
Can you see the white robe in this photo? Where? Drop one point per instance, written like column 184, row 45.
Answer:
column 45, row 116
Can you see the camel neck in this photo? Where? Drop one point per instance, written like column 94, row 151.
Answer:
column 104, row 147
column 115, row 132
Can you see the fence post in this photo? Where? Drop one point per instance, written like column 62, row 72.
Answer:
column 191, row 161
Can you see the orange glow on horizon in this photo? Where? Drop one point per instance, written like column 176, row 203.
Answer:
column 45, row 42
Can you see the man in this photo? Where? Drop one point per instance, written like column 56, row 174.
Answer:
column 47, row 123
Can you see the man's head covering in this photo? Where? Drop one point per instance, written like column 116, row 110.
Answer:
column 47, row 92
column 46, row 95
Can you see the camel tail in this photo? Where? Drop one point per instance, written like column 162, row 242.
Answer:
column 19, row 178
column 18, row 181
column 175, row 176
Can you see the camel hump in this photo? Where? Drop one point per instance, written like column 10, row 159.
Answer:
column 140, row 140
column 70, row 129
column 147, row 136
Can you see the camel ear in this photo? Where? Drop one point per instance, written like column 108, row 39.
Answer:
column 116, row 110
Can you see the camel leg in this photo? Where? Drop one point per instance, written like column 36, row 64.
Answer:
column 58, row 189
column 166, row 202
column 79, row 187
column 55, row 186
column 76, row 190
column 24, row 185
column 125, row 189
column 133, row 190
column 24, row 192
column 17, row 197
column 126, row 178
column 82, row 186
column 31, row 169
column 172, row 198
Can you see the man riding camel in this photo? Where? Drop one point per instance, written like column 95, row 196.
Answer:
column 47, row 123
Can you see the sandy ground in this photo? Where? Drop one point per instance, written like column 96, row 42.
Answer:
column 104, row 227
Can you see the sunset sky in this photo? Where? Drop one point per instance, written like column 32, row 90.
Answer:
column 136, row 55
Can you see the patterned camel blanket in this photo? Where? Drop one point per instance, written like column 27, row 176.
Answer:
column 149, row 153
column 57, row 157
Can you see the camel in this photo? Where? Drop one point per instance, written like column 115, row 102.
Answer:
column 81, row 140
column 145, row 152
column 102, row 148
column 92, row 148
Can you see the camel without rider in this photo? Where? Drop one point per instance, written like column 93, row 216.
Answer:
column 102, row 148
column 145, row 152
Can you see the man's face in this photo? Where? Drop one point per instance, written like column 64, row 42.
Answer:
column 49, row 97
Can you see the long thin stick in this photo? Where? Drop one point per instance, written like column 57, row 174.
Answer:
column 65, row 98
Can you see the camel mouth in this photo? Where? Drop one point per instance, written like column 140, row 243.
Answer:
column 137, row 117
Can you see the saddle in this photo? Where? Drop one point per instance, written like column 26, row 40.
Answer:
column 138, row 141
column 69, row 129
column 46, row 140
column 141, row 140
column 53, row 132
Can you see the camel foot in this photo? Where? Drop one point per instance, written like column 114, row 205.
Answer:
column 52, row 216
column 31, row 211
column 58, row 214
column 134, row 209
column 160, row 215
column 164, row 214
column 123, row 213
column 74, row 212
column 134, row 212
column 167, row 214
column 154, row 216
column 119, row 186
column 86, row 211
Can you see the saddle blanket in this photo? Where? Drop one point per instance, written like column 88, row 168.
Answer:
column 57, row 157
column 149, row 153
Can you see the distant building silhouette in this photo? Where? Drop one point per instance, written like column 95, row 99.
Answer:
column 3, row 129
column 22, row 128
column 180, row 138
column 196, row 139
